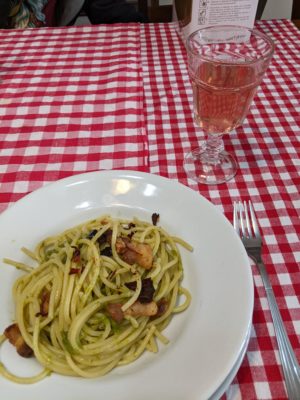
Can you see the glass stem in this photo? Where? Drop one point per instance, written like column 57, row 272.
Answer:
column 214, row 146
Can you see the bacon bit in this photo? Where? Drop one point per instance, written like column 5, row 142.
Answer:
column 162, row 306
column 76, row 255
column 14, row 336
column 106, row 237
column 130, row 235
column 45, row 300
column 121, row 245
column 134, row 252
column 147, row 290
column 115, row 311
column 139, row 309
column 132, row 285
column 92, row 234
column 130, row 225
column 130, row 251
column 111, row 275
column 155, row 218
column 107, row 251
column 74, row 271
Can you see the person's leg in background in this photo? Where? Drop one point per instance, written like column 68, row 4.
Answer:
column 112, row 11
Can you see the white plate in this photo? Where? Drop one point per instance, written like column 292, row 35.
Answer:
column 226, row 383
column 207, row 341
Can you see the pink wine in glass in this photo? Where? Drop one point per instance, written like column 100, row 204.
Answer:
column 222, row 96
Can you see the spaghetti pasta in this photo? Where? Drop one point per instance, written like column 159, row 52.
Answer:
column 100, row 295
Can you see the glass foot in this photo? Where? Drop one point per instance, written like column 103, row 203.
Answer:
column 199, row 168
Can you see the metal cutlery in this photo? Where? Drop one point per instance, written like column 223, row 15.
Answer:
column 246, row 225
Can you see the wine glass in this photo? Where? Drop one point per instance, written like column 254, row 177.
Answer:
column 226, row 65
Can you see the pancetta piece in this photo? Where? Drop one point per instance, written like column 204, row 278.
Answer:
column 13, row 334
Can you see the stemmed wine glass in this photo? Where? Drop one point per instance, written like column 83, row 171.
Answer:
column 226, row 65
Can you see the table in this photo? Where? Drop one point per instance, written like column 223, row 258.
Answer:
column 78, row 99
column 267, row 149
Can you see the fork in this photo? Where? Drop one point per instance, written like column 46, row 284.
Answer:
column 246, row 225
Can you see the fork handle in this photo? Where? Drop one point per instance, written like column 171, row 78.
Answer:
column 289, row 361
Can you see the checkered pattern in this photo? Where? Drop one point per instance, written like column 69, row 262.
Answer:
column 267, row 149
column 71, row 101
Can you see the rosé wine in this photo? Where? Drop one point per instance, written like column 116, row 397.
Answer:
column 222, row 96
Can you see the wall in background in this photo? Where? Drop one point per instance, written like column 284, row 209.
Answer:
column 278, row 9
column 274, row 8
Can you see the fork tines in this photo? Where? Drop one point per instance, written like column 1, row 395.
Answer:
column 244, row 219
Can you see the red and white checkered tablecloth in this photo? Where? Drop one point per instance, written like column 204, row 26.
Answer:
column 71, row 100
column 78, row 99
column 267, row 148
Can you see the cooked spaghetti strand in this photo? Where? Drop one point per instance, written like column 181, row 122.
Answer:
column 97, row 296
